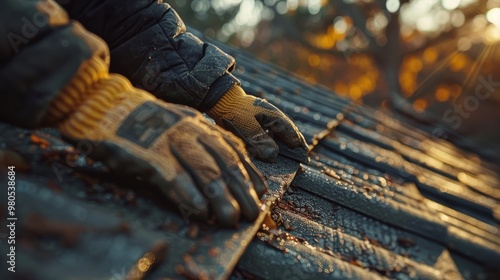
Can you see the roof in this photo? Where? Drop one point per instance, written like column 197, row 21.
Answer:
column 379, row 199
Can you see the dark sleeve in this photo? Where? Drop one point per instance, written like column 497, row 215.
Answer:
column 150, row 46
column 39, row 54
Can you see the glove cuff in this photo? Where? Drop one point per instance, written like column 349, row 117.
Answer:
column 78, row 89
column 102, row 101
column 228, row 102
column 90, row 95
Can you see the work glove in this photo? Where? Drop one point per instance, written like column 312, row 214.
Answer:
column 257, row 122
column 199, row 168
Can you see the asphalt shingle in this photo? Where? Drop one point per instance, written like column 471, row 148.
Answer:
column 379, row 199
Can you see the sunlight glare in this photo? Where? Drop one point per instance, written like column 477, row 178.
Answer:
column 457, row 18
column 493, row 16
column 340, row 25
column 450, row 4
column 427, row 23
column 492, row 34
column 292, row 5
column 392, row 5
column 479, row 23
column 314, row 6
column 245, row 14
column 281, row 8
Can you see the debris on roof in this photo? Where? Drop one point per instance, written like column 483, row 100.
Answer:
column 77, row 217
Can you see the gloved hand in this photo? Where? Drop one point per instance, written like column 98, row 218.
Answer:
column 256, row 122
column 200, row 169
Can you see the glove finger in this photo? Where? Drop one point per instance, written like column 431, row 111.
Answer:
column 259, row 144
column 281, row 126
column 235, row 176
column 259, row 184
column 184, row 195
column 180, row 191
column 208, row 177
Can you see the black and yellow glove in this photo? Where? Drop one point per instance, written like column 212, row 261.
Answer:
column 257, row 122
column 200, row 169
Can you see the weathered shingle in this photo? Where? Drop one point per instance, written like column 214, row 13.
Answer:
column 378, row 194
column 379, row 199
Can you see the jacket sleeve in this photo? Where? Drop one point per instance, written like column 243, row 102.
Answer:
column 39, row 54
column 150, row 46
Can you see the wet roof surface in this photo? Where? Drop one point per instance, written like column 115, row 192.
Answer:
column 379, row 199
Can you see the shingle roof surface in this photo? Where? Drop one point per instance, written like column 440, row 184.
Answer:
column 379, row 199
